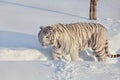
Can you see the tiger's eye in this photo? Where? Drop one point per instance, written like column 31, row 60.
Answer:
column 47, row 36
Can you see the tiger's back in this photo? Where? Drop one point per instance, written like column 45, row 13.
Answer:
column 89, row 35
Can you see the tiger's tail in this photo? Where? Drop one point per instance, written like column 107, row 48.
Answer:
column 107, row 52
column 113, row 55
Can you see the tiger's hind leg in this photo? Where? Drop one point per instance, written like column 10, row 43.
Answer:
column 100, row 52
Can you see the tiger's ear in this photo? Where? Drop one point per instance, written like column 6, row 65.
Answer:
column 41, row 27
column 50, row 28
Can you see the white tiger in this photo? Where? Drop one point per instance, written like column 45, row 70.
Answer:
column 73, row 38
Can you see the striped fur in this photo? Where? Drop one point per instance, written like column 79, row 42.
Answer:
column 73, row 38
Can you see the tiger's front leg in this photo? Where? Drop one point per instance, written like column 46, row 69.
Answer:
column 74, row 53
column 60, row 54
column 57, row 55
column 74, row 56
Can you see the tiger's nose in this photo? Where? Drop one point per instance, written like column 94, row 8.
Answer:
column 42, row 42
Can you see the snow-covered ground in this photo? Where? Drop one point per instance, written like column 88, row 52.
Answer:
column 23, row 58
column 58, row 70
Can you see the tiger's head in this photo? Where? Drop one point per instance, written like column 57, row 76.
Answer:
column 46, row 36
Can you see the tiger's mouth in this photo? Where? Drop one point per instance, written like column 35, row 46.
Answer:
column 45, row 44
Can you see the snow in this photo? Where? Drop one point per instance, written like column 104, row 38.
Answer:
column 20, row 54
column 58, row 70
column 23, row 58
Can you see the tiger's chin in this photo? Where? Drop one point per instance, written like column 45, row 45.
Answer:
column 44, row 46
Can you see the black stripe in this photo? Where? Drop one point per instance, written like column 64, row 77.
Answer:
column 100, row 50
column 94, row 41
